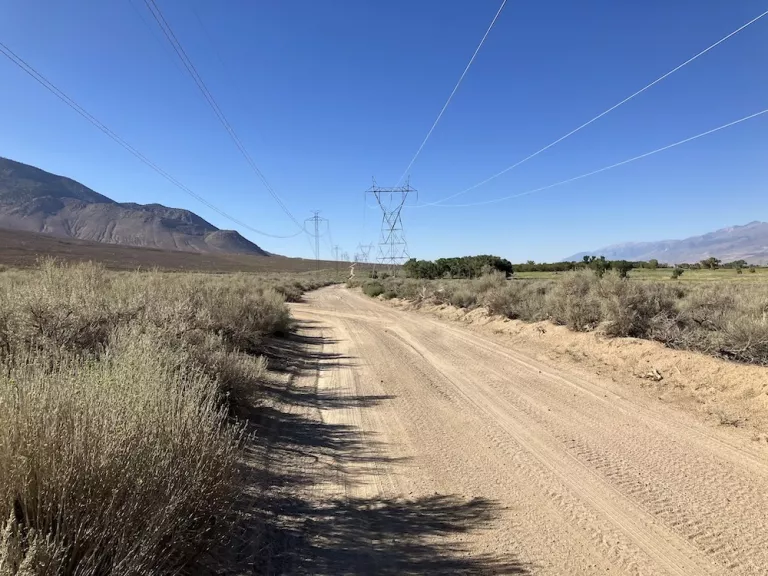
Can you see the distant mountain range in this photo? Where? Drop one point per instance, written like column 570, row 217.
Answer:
column 748, row 242
column 34, row 200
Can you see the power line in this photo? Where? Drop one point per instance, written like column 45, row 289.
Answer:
column 608, row 111
column 188, row 64
column 16, row 59
column 606, row 168
column 328, row 229
column 455, row 88
column 191, row 6
column 153, row 32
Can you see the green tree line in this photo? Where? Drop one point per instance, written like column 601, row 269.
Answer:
column 462, row 267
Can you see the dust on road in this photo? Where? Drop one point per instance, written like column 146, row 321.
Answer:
column 444, row 451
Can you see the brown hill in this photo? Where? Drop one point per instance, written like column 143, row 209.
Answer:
column 23, row 249
column 37, row 201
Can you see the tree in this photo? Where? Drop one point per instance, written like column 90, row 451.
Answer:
column 622, row 267
column 711, row 263
column 677, row 272
column 599, row 265
column 464, row 267
column 736, row 264
column 653, row 263
column 423, row 269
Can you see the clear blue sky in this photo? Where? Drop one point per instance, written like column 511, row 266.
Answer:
column 327, row 94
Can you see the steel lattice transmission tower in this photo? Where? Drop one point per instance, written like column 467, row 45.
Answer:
column 393, row 249
column 363, row 253
column 316, row 219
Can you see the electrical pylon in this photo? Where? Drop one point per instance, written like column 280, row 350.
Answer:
column 363, row 253
column 316, row 219
column 393, row 249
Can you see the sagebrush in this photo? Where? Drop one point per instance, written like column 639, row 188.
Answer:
column 118, row 447
column 719, row 318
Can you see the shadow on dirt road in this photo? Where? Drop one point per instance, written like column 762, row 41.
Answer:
column 287, row 531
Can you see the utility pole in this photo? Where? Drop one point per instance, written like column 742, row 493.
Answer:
column 393, row 249
column 316, row 219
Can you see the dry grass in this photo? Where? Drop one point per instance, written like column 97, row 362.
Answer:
column 21, row 249
column 726, row 319
column 118, row 449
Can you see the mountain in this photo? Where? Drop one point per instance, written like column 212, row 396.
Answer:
column 748, row 242
column 34, row 200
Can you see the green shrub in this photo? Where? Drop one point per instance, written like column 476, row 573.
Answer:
column 677, row 272
column 389, row 294
column 373, row 288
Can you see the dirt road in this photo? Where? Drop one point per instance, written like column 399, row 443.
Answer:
column 443, row 451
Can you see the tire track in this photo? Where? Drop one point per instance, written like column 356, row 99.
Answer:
column 591, row 479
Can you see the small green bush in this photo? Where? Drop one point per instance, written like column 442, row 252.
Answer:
column 677, row 272
column 373, row 289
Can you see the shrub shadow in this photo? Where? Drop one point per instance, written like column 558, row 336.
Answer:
column 282, row 531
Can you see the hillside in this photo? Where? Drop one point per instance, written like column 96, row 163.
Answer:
column 748, row 242
column 21, row 249
column 34, row 200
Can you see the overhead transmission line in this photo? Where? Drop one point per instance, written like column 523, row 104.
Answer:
column 330, row 237
column 596, row 118
column 189, row 65
column 606, row 168
column 450, row 97
column 47, row 84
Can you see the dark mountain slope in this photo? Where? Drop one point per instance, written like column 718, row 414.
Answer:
column 37, row 201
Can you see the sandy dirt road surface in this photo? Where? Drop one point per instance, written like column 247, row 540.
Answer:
column 439, row 450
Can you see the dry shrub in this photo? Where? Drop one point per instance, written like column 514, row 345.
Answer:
column 720, row 318
column 519, row 300
column 573, row 301
column 633, row 308
column 746, row 339
column 116, row 451
column 62, row 309
column 708, row 307
column 410, row 289
column 463, row 298
column 116, row 466
column 244, row 316
column 488, row 282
